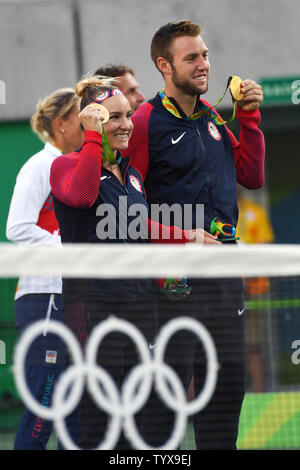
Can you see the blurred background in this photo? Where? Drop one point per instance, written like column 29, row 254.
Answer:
column 45, row 45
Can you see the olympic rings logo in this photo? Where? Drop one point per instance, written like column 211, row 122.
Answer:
column 120, row 405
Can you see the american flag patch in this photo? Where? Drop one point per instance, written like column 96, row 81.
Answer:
column 51, row 357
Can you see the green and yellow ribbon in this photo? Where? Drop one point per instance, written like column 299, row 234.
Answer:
column 107, row 153
column 169, row 106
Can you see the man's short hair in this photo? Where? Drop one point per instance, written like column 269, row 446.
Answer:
column 111, row 70
column 164, row 36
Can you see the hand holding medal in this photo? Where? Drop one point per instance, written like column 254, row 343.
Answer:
column 100, row 112
column 91, row 117
column 104, row 114
column 247, row 93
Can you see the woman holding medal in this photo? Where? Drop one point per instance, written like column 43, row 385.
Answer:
column 83, row 183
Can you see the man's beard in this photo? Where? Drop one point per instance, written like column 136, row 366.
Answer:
column 184, row 85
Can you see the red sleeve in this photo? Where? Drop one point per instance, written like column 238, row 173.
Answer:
column 138, row 148
column 159, row 233
column 249, row 153
column 75, row 178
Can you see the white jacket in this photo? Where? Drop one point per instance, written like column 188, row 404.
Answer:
column 31, row 219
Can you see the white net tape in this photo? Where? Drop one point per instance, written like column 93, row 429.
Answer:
column 120, row 260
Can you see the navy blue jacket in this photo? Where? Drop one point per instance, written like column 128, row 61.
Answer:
column 196, row 162
column 82, row 191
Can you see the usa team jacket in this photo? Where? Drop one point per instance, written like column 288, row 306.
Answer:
column 82, row 187
column 31, row 219
column 196, row 162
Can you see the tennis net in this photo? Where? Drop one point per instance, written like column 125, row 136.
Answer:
column 168, row 319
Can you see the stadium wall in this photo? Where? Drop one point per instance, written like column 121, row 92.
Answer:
column 47, row 44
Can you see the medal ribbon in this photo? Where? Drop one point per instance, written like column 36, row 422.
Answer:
column 107, row 153
column 207, row 109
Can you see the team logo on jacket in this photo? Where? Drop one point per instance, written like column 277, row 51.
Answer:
column 214, row 132
column 135, row 183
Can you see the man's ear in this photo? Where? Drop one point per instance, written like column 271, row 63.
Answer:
column 163, row 65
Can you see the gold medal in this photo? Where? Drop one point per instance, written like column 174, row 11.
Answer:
column 235, row 88
column 104, row 112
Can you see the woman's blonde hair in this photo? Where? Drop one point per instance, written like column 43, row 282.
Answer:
column 58, row 104
column 91, row 86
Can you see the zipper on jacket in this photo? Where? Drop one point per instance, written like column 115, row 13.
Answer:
column 206, row 166
column 125, row 186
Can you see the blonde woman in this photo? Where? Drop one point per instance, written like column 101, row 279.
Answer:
column 32, row 221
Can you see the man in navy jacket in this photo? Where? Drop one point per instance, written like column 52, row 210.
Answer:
column 188, row 156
